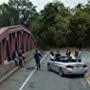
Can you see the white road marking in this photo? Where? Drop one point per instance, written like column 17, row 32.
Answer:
column 30, row 75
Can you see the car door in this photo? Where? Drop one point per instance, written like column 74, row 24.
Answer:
column 51, row 65
column 57, row 66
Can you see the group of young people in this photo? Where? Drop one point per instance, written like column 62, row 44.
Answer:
column 18, row 57
column 55, row 56
column 76, row 56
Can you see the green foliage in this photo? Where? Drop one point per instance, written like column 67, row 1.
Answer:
column 58, row 26
column 8, row 16
column 26, row 11
column 52, row 27
column 55, row 26
column 17, row 12
column 78, row 27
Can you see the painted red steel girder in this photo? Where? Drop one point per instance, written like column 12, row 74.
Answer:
column 15, row 37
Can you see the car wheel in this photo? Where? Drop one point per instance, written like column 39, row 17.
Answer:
column 48, row 67
column 83, row 75
column 60, row 72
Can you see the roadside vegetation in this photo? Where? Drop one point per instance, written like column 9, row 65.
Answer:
column 55, row 26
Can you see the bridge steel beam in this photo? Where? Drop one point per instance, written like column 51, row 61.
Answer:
column 15, row 37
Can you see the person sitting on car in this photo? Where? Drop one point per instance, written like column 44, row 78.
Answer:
column 57, row 56
column 68, row 52
column 72, row 58
column 52, row 56
column 79, row 55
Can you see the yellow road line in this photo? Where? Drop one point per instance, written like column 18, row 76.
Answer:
column 87, row 76
column 87, row 79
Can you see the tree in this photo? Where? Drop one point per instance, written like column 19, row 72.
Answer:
column 52, row 26
column 78, row 27
column 8, row 16
column 17, row 12
column 26, row 11
column 87, row 10
column 56, row 25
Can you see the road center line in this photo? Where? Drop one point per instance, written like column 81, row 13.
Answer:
column 87, row 79
column 30, row 75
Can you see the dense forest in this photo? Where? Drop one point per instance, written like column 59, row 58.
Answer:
column 54, row 26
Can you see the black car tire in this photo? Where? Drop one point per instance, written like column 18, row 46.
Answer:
column 60, row 72
column 83, row 75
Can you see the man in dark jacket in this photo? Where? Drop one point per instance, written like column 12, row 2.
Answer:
column 37, row 57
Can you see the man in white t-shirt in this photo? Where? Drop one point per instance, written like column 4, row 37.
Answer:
column 52, row 56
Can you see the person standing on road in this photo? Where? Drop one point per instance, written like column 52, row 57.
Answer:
column 37, row 57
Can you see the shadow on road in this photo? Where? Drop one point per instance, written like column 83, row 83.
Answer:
column 30, row 68
column 69, row 76
column 74, row 76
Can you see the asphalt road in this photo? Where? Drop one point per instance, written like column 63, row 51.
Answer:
column 43, row 80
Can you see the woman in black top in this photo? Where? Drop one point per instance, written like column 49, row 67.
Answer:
column 68, row 52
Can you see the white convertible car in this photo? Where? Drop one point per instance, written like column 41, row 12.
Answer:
column 65, row 67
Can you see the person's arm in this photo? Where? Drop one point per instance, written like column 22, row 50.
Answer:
column 52, row 57
column 66, row 52
column 79, row 55
column 34, row 56
column 40, row 55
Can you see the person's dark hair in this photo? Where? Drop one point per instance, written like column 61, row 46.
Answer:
column 68, row 49
column 36, row 50
column 79, row 48
column 51, row 53
column 16, row 50
column 57, row 51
